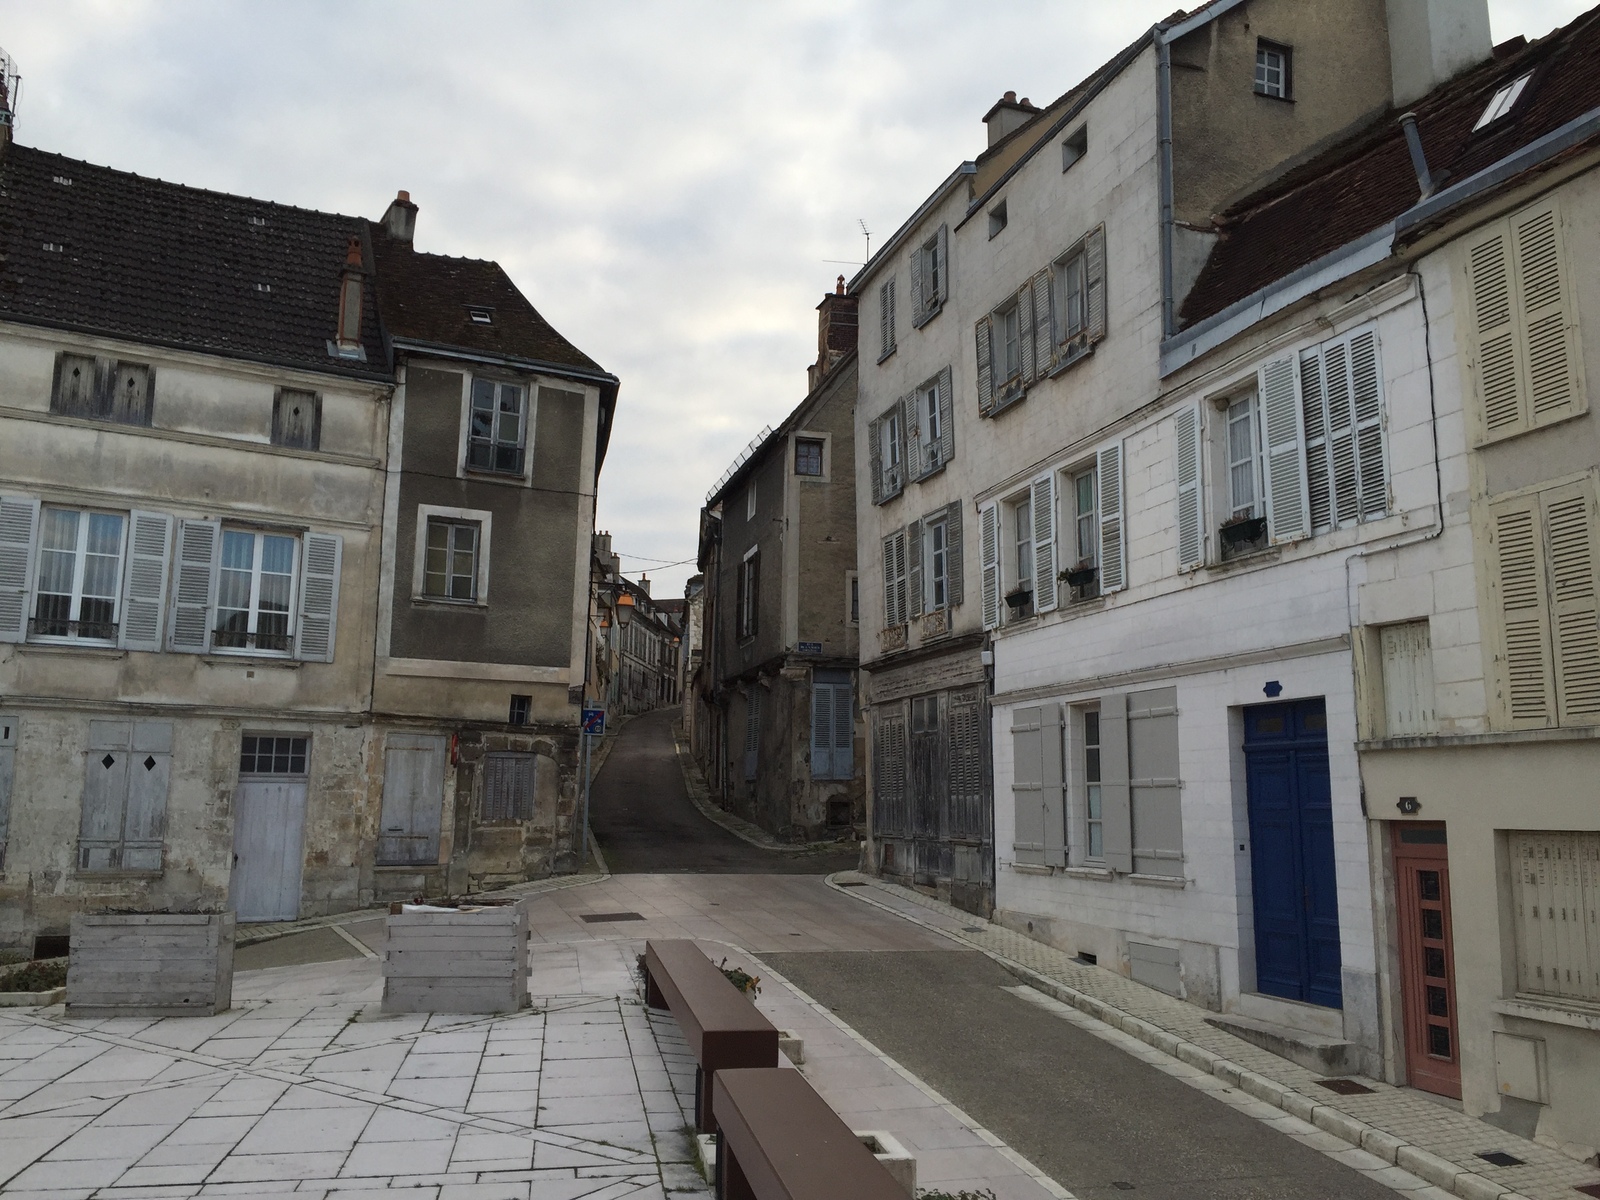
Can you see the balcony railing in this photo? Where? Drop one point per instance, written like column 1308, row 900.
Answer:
column 98, row 631
column 233, row 639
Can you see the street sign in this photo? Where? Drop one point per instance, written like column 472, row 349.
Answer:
column 809, row 648
column 594, row 722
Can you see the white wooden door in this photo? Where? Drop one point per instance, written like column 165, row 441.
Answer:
column 268, row 830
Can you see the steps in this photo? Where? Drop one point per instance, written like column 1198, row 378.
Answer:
column 1313, row 1051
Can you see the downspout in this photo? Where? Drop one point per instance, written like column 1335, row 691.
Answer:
column 1169, row 324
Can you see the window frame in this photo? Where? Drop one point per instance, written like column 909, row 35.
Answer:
column 1251, row 400
column 1285, row 70
column 809, row 444
column 75, row 597
column 430, row 512
column 512, row 816
column 747, row 615
column 936, row 562
column 1021, row 530
column 524, row 446
column 1088, row 774
column 928, row 302
column 253, row 609
column 1090, row 472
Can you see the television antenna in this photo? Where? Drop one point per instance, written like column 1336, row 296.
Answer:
column 868, row 233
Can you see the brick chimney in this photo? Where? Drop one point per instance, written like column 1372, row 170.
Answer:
column 1008, row 115
column 400, row 218
column 836, row 332
column 1433, row 41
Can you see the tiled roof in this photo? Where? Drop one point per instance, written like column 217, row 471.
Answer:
column 1362, row 184
column 429, row 298
column 89, row 248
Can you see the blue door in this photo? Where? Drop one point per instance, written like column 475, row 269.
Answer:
column 1291, row 852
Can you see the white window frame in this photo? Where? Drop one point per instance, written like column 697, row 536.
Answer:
column 1265, row 84
column 1080, row 515
column 253, row 611
column 1071, row 284
column 79, row 554
column 936, row 562
column 748, row 618
column 893, row 444
column 1005, row 375
column 464, row 450
column 485, row 522
column 1503, row 101
column 928, row 301
column 1090, row 781
column 1015, row 509
column 750, row 500
column 1250, row 404
column 928, row 403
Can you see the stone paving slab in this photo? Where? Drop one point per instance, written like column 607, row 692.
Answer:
column 1397, row 1125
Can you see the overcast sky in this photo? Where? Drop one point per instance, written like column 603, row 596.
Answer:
column 667, row 182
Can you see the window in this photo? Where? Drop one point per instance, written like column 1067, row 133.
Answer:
column 1022, row 524
column 1341, row 395
column 997, row 218
column 937, row 533
column 893, row 441
column 833, row 726
column 932, row 424
column 1075, row 147
column 895, row 604
column 481, row 316
column 297, row 419
column 1272, row 70
column 853, row 598
column 886, row 450
column 80, row 574
column 1244, row 459
column 808, row 456
column 929, row 426
column 1074, row 297
column 262, row 754
column 886, row 344
column 497, row 430
column 521, row 707
column 1086, row 518
column 124, row 816
column 255, row 592
column 1555, row 896
column 508, row 787
column 1503, row 101
column 750, row 501
column 1093, row 800
column 451, row 569
column 930, row 276
column 1008, row 360
column 1037, row 787
column 102, row 389
column 748, row 617
column 1408, row 696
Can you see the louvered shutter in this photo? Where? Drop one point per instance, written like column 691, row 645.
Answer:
column 194, row 586
column 1027, row 784
column 875, row 458
column 1549, row 339
column 144, row 582
column 1113, row 537
column 885, row 320
column 1044, row 338
column 889, row 611
column 911, row 423
column 1191, row 517
column 947, row 417
column 1366, row 400
column 985, row 373
column 752, row 731
column 919, row 302
column 1281, row 421
column 1025, row 334
column 19, row 529
column 1571, row 527
column 1314, row 420
column 1517, row 583
column 1053, row 787
column 913, row 543
column 1042, row 504
column 1094, row 266
column 844, row 731
column 1116, row 795
column 1341, row 432
column 1494, row 331
column 944, row 264
column 989, row 550
column 320, row 559
column 822, row 731
column 952, row 543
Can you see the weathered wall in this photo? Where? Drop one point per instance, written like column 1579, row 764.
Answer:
column 740, row 532
column 823, row 517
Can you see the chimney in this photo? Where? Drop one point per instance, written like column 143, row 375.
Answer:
column 836, row 332
column 644, row 584
column 400, row 218
column 348, row 343
column 10, row 83
column 1008, row 115
column 1433, row 41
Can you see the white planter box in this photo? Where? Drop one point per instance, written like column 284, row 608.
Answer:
column 150, row 965
column 457, row 962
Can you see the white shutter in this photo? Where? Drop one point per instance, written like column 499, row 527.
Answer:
column 1285, row 445
column 1319, row 465
column 1027, row 783
column 1517, row 585
column 899, row 541
column 1549, row 338
column 984, row 332
column 1094, row 268
column 194, row 586
column 910, row 423
column 1571, row 527
column 144, row 582
column 947, row 422
column 944, row 264
column 1113, row 537
column 19, row 528
column 1494, row 331
column 1025, row 334
column 1042, row 504
column 1191, row 513
column 889, row 621
column 1116, row 795
column 1044, row 338
column 989, row 548
column 1336, row 396
column 914, row 575
column 320, row 558
column 1366, row 393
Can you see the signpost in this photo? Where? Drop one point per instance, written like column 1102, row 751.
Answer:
column 593, row 725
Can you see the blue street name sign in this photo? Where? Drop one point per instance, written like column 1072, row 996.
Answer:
column 594, row 722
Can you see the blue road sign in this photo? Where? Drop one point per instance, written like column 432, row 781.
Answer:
column 594, row 722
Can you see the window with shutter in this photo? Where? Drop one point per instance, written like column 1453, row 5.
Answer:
column 1153, row 784
column 914, row 572
column 1341, row 400
column 821, row 730
column 915, row 467
column 989, row 550
column 1027, row 361
column 78, row 575
column 144, row 584
column 1556, row 910
column 1284, row 439
column 930, row 276
column 1113, row 538
column 194, row 586
column 19, row 526
column 886, row 344
column 1191, row 513
column 752, row 731
column 894, row 580
column 1043, row 506
column 297, row 419
column 1407, row 666
column 508, row 787
column 1028, row 736
column 1571, row 527
column 321, row 556
column 889, row 817
column 832, row 726
column 128, row 770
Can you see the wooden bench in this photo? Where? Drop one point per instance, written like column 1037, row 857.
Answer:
column 720, row 1024
column 781, row 1141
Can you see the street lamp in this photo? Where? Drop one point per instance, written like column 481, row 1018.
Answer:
column 625, row 606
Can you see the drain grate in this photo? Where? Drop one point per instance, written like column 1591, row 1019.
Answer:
column 1121, row 1186
column 598, row 918
column 972, row 929
column 852, row 885
column 1345, row 1087
column 1500, row 1158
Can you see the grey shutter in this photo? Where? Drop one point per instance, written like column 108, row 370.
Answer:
column 1314, row 420
column 1116, row 805
column 144, row 820
column 911, row 425
column 984, row 331
column 1282, row 425
column 320, row 558
column 19, row 529
column 1042, row 503
column 1113, row 536
column 947, row 418
column 1053, row 786
column 1094, row 267
column 919, row 302
column 130, row 393
column 413, row 798
column 194, row 586
column 944, row 264
column 1366, row 389
column 144, row 581
column 8, row 753
column 1153, row 788
column 844, row 732
column 898, row 542
column 989, row 549
column 77, row 387
column 1027, row 784
column 1191, row 514
column 913, row 537
column 875, row 458
column 885, row 320
column 890, row 612
column 105, row 789
column 1025, row 334
column 752, row 731
column 1044, row 338
column 821, row 730
column 952, row 541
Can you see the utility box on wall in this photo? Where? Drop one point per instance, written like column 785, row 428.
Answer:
column 1519, row 1067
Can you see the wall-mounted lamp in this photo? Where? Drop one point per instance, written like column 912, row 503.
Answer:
column 625, row 607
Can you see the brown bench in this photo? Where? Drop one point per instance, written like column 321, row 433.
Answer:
column 781, row 1141
column 720, row 1024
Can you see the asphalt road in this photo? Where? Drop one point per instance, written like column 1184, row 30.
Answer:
column 644, row 821
column 1093, row 1118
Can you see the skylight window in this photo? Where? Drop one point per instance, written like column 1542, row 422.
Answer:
column 1504, row 100
column 481, row 316
column 62, row 180
column 258, row 220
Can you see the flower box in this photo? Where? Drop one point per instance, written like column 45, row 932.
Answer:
column 150, row 965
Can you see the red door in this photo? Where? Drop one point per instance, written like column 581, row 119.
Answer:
column 1427, row 958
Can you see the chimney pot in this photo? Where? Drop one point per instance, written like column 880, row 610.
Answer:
column 1008, row 115
column 403, row 196
column 838, row 288
column 1010, row 97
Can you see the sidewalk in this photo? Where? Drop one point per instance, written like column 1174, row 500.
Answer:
column 1396, row 1125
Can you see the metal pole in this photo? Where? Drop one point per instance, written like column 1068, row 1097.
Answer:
column 588, row 761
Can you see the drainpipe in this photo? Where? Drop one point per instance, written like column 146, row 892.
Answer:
column 1419, row 160
column 1169, row 324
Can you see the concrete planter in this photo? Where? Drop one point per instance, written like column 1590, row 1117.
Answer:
column 471, row 960
column 150, row 965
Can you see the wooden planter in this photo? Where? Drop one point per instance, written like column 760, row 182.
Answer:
column 150, row 965
column 457, row 962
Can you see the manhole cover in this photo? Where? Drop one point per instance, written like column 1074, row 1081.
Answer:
column 972, row 929
column 1345, row 1087
column 1500, row 1158
column 598, row 918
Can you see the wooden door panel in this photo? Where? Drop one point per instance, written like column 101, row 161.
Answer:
column 1427, row 958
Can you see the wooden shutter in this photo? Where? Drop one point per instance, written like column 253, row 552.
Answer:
column 1027, row 784
column 144, row 582
column 889, row 772
column 195, row 585
column 1548, row 335
column 1493, row 351
column 947, row 417
column 885, row 320
column 1044, row 337
column 1319, row 465
column 943, row 242
column 1113, row 537
column 889, row 621
column 989, row 550
column 1025, row 357
column 1366, row 401
column 752, row 730
column 1053, row 786
column 105, row 791
column 985, row 374
column 149, row 775
column 919, row 302
column 1154, row 789
column 130, row 393
column 1284, row 438
column 8, row 754
column 1116, row 804
column 1191, row 513
column 1571, row 526
column 911, row 425
column 413, row 798
column 952, row 552
column 875, row 458
column 1094, row 267
column 1042, row 504
column 19, row 529
column 822, row 730
column 78, row 391
column 844, row 732
column 1517, row 584
column 320, row 559
column 913, row 543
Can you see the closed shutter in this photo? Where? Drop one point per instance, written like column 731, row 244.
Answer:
column 1044, row 338
column 885, row 320
column 1319, row 448
column 1025, row 335
column 822, row 731
column 1285, row 445
column 1341, row 403
column 844, row 731
column 911, row 421
column 1494, row 331
column 984, row 332
column 1154, row 790
column 947, row 423
column 144, row 584
column 1113, row 537
column 508, row 787
column 1094, row 266
column 919, row 300
column 1027, row 783
column 752, row 731
column 989, row 549
column 321, row 556
column 875, row 458
column 78, row 387
column 130, row 393
column 1042, row 505
column 943, row 242
column 894, row 579
column 913, row 543
column 1191, row 516
column 1549, row 338
column 952, row 543
column 1407, row 665
column 889, row 772
column 413, row 798
column 19, row 527
column 1517, row 584
column 8, row 754
column 195, row 586
column 1571, row 526
column 1116, row 805
column 1366, row 391
column 105, row 791
column 149, row 774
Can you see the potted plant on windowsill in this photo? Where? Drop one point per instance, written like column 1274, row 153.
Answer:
column 1019, row 600
column 1243, row 532
column 1080, row 576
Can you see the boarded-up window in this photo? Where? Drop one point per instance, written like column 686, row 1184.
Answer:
column 127, row 771
column 103, row 389
column 508, row 781
column 1407, row 679
column 297, row 419
column 1556, row 894
column 752, row 732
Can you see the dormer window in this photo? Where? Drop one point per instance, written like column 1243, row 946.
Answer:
column 481, row 316
column 1503, row 101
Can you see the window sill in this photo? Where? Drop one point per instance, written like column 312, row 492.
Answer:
column 83, row 651
column 1166, row 881
column 445, row 602
column 1089, row 872
column 487, row 475
column 1270, row 96
column 927, row 316
column 1550, row 1011
column 1007, row 402
column 931, row 472
column 1072, row 357
column 243, row 658
column 1031, row 869
column 887, row 355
